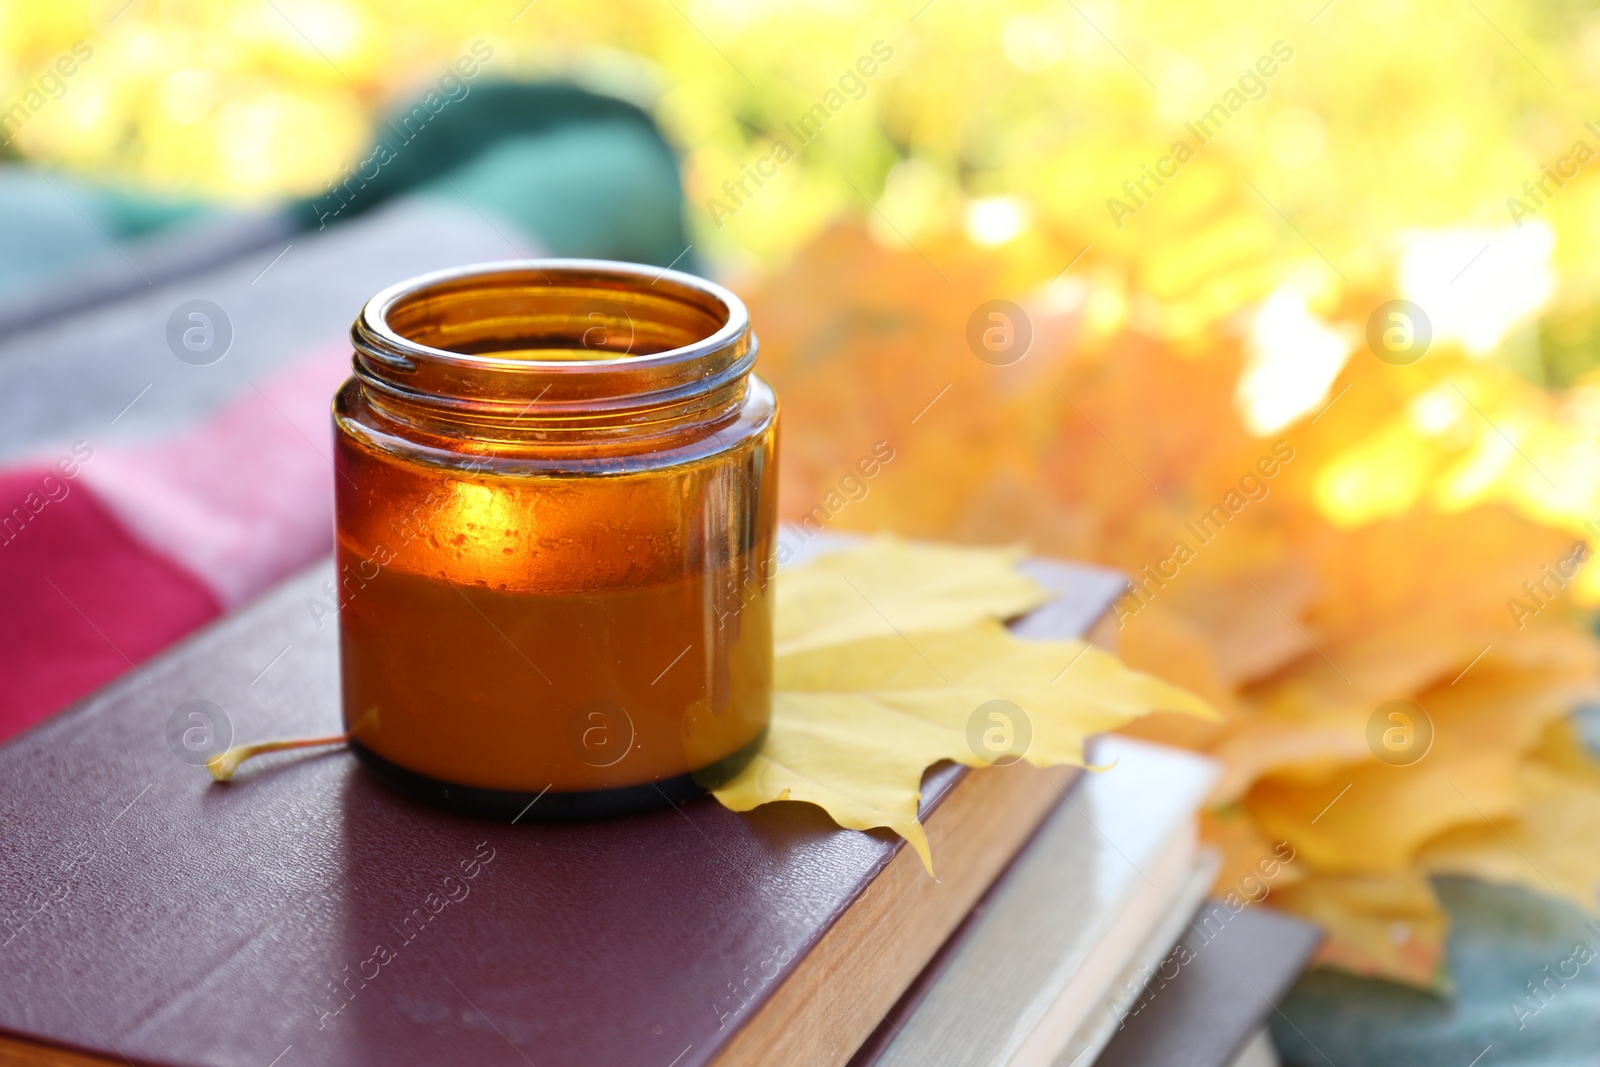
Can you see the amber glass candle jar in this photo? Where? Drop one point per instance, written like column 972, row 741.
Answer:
column 555, row 511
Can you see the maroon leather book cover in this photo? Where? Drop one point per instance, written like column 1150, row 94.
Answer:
column 305, row 915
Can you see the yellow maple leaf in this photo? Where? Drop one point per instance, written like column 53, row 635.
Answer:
column 887, row 586
column 859, row 715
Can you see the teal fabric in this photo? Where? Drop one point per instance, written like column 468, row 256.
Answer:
column 579, row 173
column 54, row 223
column 585, row 174
column 1501, row 940
column 594, row 191
column 1588, row 722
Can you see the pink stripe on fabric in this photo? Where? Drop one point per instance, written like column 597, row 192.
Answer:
column 83, row 601
column 245, row 498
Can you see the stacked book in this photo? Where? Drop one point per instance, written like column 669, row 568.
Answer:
column 302, row 915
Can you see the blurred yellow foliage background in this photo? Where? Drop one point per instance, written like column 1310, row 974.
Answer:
column 1182, row 325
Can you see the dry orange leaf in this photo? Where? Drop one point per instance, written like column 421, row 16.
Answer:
column 1378, row 925
column 1365, row 569
column 1534, row 846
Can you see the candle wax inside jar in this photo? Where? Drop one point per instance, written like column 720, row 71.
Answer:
column 520, row 691
column 515, row 633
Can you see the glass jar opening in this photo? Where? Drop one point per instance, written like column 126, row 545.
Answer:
column 559, row 315
column 568, row 335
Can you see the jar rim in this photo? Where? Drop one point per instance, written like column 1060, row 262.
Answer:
column 490, row 305
column 372, row 329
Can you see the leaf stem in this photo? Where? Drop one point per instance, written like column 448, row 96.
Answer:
column 224, row 764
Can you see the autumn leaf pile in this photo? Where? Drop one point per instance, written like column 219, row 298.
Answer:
column 1295, row 621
